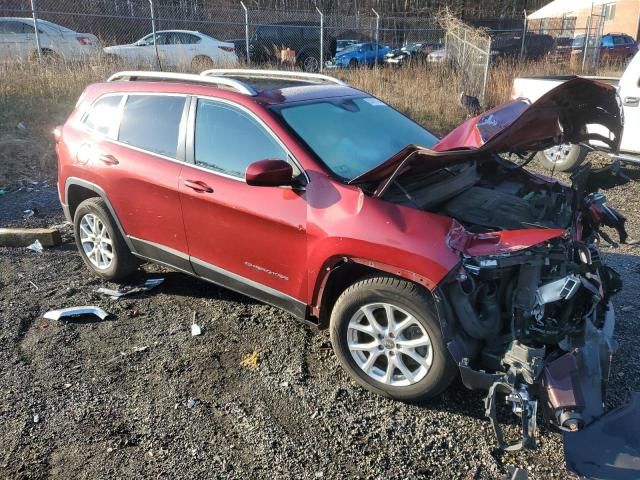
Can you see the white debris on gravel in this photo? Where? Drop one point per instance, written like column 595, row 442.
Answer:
column 36, row 247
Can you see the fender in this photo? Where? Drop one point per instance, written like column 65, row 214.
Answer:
column 331, row 265
column 100, row 193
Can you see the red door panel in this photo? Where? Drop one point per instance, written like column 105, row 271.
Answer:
column 255, row 232
column 143, row 189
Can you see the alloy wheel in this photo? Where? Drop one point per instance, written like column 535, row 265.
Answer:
column 311, row 64
column 96, row 242
column 558, row 153
column 389, row 344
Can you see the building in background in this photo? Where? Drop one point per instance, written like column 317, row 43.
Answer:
column 605, row 16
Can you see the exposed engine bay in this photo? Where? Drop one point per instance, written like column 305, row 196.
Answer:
column 533, row 325
column 486, row 197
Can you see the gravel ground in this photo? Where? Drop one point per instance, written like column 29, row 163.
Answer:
column 136, row 395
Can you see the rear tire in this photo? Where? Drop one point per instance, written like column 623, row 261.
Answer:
column 201, row 63
column 563, row 158
column 100, row 243
column 46, row 55
column 310, row 62
column 411, row 344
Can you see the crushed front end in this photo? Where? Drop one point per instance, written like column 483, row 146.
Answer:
column 528, row 313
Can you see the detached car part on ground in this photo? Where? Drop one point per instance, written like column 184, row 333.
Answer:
column 435, row 260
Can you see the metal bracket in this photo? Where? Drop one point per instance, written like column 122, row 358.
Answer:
column 527, row 410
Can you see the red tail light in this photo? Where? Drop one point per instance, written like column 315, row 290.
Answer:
column 84, row 40
column 227, row 49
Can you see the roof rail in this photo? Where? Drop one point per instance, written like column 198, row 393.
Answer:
column 184, row 77
column 279, row 74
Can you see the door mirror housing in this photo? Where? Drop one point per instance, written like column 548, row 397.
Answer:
column 269, row 173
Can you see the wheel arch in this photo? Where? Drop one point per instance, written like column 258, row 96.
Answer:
column 78, row 190
column 339, row 274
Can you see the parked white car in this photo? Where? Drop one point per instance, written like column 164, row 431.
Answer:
column 568, row 156
column 438, row 56
column 18, row 41
column 177, row 48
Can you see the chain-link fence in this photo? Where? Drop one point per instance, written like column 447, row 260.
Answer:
column 307, row 38
column 194, row 34
column 468, row 49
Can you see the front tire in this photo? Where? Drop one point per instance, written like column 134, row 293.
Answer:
column 99, row 242
column 387, row 338
column 564, row 158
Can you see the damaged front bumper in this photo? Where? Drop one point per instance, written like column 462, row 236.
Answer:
column 533, row 325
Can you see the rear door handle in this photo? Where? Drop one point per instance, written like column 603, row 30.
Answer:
column 198, row 185
column 631, row 101
column 108, row 159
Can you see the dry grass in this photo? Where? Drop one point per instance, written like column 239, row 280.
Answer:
column 35, row 98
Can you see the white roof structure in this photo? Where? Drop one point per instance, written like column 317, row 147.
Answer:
column 559, row 8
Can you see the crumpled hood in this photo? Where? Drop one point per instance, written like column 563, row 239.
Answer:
column 560, row 116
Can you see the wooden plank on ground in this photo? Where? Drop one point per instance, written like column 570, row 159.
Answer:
column 23, row 237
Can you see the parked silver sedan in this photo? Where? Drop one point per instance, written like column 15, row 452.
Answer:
column 18, row 41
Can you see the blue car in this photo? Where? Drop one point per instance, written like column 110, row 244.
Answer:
column 360, row 54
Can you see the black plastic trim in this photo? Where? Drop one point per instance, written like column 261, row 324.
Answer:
column 162, row 254
column 250, row 288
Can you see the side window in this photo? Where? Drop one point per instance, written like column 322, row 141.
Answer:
column 26, row 28
column 607, row 41
column 9, row 27
column 270, row 33
column 103, row 114
column 311, row 33
column 152, row 122
column 186, row 39
column 148, row 40
column 164, row 38
column 216, row 125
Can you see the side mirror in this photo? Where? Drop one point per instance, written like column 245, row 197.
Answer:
column 269, row 173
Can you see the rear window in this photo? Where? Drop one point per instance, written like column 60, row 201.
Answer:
column 102, row 115
column 152, row 122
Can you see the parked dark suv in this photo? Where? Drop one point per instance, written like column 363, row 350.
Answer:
column 303, row 37
column 614, row 48
column 425, row 257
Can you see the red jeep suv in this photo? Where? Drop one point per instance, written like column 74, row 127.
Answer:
column 425, row 256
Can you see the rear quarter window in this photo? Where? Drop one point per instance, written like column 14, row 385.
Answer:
column 152, row 123
column 102, row 115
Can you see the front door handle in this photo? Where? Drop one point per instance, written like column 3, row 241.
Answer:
column 108, row 159
column 631, row 101
column 198, row 185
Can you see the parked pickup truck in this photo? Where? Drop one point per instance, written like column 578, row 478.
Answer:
column 566, row 157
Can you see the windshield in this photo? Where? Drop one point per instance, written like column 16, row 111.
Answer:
column 353, row 135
